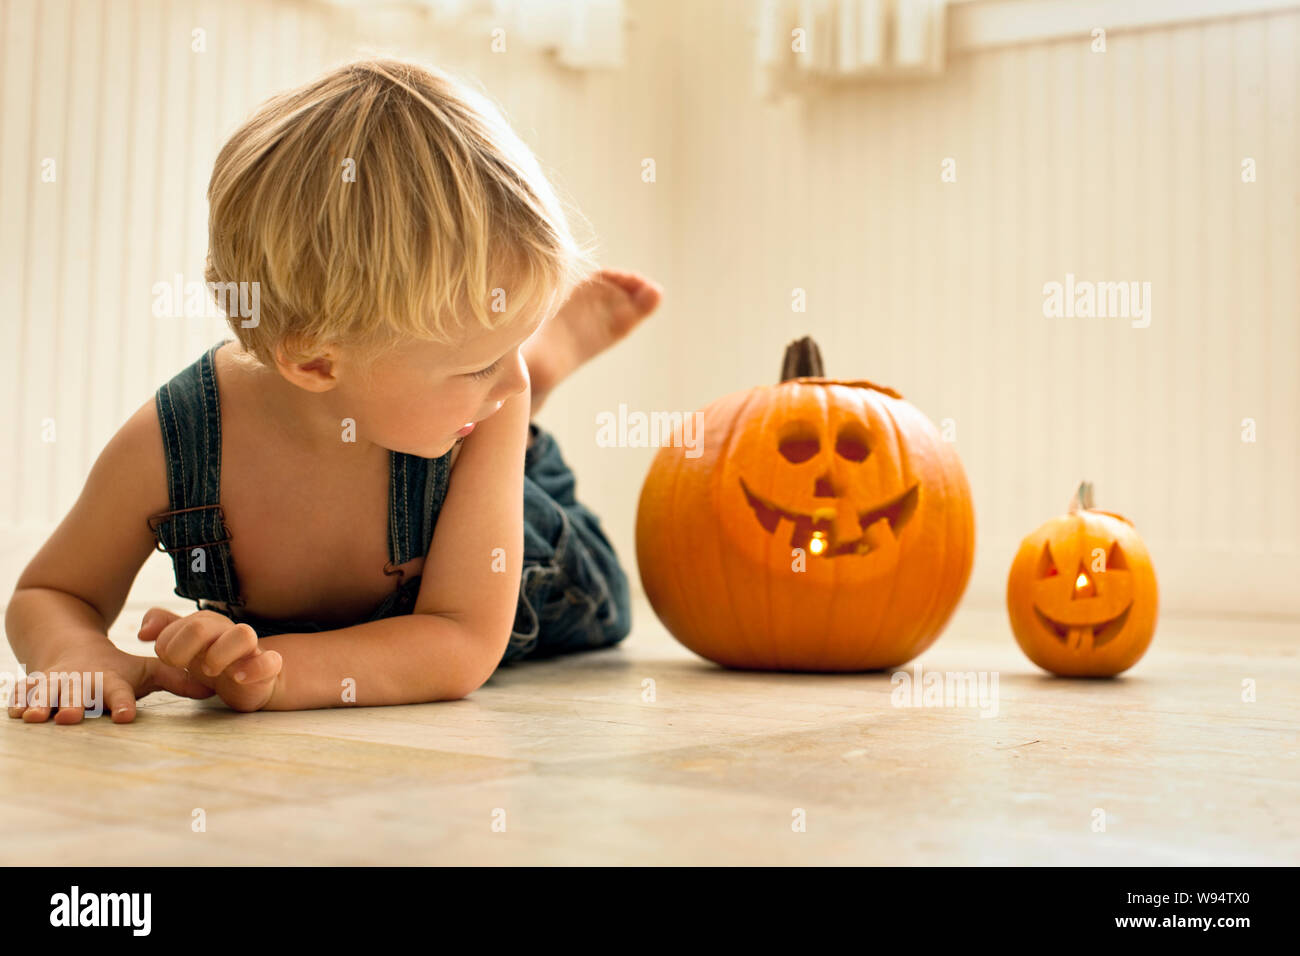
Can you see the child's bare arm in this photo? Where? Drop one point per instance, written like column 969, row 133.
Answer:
column 74, row 588
column 465, row 610
column 473, row 568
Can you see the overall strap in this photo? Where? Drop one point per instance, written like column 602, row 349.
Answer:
column 416, row 493
column 194, row 531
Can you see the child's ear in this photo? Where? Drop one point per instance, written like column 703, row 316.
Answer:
column 318, row 373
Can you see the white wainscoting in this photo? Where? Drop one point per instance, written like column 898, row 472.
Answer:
column 1122, row 166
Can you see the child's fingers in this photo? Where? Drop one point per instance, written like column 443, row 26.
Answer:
column 33, row 705
column 183, row 642
column 63, row 698
column 163, row 626
column 175, row 681
column 38, row 710
column 235, row 644
column 251, row 681
column 256, row 668
column 18, row 699
column 73, row 695
column 69, row 714
column 119, row 699
column 153, row 622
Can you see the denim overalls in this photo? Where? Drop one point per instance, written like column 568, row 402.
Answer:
column 573, row 594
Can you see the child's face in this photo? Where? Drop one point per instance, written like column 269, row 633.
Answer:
column 420, row 395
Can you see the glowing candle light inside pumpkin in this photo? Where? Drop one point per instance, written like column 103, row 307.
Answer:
column 1082, row 586
column 818, row 543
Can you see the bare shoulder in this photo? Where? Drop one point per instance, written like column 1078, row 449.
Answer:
column 98, row 548
column 136, row 452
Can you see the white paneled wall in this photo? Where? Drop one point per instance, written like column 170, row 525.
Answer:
column 113, row 95
column 114, row 99
column 1115, row 166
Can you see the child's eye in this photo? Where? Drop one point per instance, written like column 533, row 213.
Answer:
column 486, row 372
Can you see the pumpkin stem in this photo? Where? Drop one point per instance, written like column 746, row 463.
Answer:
column 803, row 359
column 1082, row 499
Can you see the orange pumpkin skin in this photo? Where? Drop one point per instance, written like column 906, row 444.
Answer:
column 1082, row 595
column 716, row 535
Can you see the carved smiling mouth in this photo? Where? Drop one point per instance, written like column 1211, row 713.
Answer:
column 879, row 525
column 1087, row 636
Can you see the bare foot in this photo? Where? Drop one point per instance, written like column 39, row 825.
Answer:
column 603, row 309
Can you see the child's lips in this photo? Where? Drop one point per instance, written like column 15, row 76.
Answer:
column 469, row 426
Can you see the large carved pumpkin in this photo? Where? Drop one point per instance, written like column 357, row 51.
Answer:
column 826, row 526
column 1082, row 593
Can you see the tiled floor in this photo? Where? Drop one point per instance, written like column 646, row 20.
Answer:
column 647, row 754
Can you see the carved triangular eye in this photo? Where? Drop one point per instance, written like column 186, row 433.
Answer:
column 1115, row 560
column 1046, row 566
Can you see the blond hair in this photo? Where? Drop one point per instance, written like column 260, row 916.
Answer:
column 381, row 201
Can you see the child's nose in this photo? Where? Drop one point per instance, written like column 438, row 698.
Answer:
column 518, row 380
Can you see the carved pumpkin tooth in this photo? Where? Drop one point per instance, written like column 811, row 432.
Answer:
column 1080, row 639
column 880, row 537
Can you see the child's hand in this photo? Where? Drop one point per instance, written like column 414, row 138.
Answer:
column 216, row 652
column 122, row 678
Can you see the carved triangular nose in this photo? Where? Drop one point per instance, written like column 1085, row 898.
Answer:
column 823, row 488
column 1083, row 585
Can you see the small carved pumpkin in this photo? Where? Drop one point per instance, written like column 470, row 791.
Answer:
column 826, row 526
column 1082, row 593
